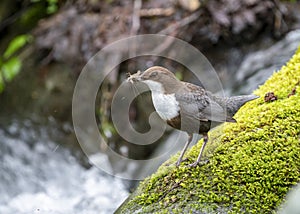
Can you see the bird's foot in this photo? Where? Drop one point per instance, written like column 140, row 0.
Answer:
column 178, row 162
column 198, row 163
column 194, row 164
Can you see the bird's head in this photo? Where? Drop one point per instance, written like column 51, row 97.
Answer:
column 157, row 78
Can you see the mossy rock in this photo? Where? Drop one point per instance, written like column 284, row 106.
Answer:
column 252, row 163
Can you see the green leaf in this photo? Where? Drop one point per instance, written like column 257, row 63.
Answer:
column 1, row 83
column 16, row 44
column 11, row 68
column 52, row 6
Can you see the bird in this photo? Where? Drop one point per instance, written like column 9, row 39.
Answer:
column 186, row 106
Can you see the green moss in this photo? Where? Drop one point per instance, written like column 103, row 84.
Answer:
column 252, row 163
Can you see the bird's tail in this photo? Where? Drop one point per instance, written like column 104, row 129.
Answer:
column 236, row 102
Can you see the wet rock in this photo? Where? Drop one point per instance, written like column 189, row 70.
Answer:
column 259, row 66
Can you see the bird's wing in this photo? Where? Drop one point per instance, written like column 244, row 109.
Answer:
column 198, row 105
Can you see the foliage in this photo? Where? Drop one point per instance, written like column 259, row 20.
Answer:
column 10, row 65
column 52, row 5
column 252, row 164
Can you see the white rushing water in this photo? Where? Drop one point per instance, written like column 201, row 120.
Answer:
column 37, row 176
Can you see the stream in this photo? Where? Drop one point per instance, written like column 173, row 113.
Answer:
column 40, row 176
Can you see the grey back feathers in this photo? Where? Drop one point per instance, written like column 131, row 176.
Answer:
column 203, row 105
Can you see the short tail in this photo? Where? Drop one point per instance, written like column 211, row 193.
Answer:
column 236, row 102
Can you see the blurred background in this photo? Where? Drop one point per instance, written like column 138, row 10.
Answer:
column 44, row 44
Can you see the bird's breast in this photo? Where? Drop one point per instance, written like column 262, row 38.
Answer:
column 166, row 105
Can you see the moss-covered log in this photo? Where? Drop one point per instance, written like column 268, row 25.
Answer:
column 251, row 164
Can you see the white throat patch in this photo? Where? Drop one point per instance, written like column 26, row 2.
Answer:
column 165, row 105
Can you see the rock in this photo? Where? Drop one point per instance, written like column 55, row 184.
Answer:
column 250, row 166
column 259, row 66
column 292, row 206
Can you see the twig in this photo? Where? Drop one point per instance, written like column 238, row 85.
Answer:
column 185, row 21
column 164, row 45
column 172, row 30
column 136, row 17
column 156, row 12
column 135, row 23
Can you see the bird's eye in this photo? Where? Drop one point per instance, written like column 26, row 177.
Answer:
column 153, row 74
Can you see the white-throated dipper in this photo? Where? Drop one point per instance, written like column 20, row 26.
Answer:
column 186, row 106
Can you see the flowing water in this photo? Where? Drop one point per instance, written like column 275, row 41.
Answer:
column 40, row 176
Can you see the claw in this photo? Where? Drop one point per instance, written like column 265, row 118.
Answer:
column 193, row 164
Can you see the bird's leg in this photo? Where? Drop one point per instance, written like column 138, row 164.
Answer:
column 205, row 139
column 184, row 149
